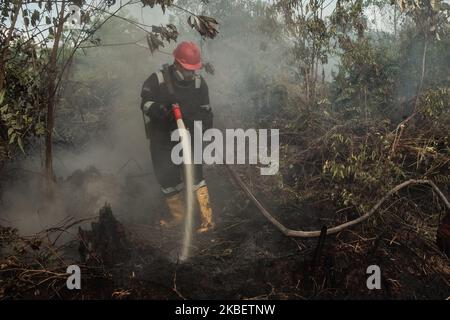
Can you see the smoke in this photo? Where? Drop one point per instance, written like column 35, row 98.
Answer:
column 244, row 69
column 101, row 152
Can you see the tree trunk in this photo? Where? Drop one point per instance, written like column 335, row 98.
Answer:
column 51, row 100
column 422, row 72
column 307, row 88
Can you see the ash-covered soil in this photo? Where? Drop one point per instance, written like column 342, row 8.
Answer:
column 245, row 257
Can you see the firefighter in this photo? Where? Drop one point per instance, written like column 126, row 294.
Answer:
column 179, row 83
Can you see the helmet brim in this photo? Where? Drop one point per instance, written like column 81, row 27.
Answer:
column 191, row 67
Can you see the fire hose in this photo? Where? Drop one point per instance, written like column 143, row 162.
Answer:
column 316, row 233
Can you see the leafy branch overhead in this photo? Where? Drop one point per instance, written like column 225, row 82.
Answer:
column 154, row 42
column 163, row 3
column 167, row 33
column 159, row 34
column 204, row 25
column 430, row 14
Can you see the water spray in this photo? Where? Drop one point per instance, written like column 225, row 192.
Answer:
column 188, row 180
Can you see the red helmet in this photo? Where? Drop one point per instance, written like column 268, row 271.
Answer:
column 187, row 54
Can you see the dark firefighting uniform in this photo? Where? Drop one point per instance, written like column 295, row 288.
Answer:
column 193, row 99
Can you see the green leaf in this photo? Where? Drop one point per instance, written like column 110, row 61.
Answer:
column 12, row 138
column 20, row 143
column 40, row 129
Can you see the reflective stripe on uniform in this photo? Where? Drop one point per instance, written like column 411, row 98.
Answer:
column 198, row 81
column 160, row 77
column 199, row 185
column 179, row 75
column 180, row 187
column 205, row 107
column 147, row 106
column 170, row 190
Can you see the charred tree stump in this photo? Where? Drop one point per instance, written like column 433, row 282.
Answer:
column 106, row 243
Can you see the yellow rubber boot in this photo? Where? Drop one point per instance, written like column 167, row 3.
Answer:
column 205, row 210
column 175, row 204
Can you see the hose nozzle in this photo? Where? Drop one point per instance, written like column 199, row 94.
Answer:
column 176, row 111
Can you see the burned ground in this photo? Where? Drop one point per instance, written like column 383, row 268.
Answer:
column 245, row 257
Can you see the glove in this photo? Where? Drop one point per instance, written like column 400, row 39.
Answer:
column 159, row 111
column 206, row 116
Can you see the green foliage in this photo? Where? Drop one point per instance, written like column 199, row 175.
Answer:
column 352, row 147
column 21, row 115
column 380, row 73
column 436, row 103
column 366, row 83
column 311, row 34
